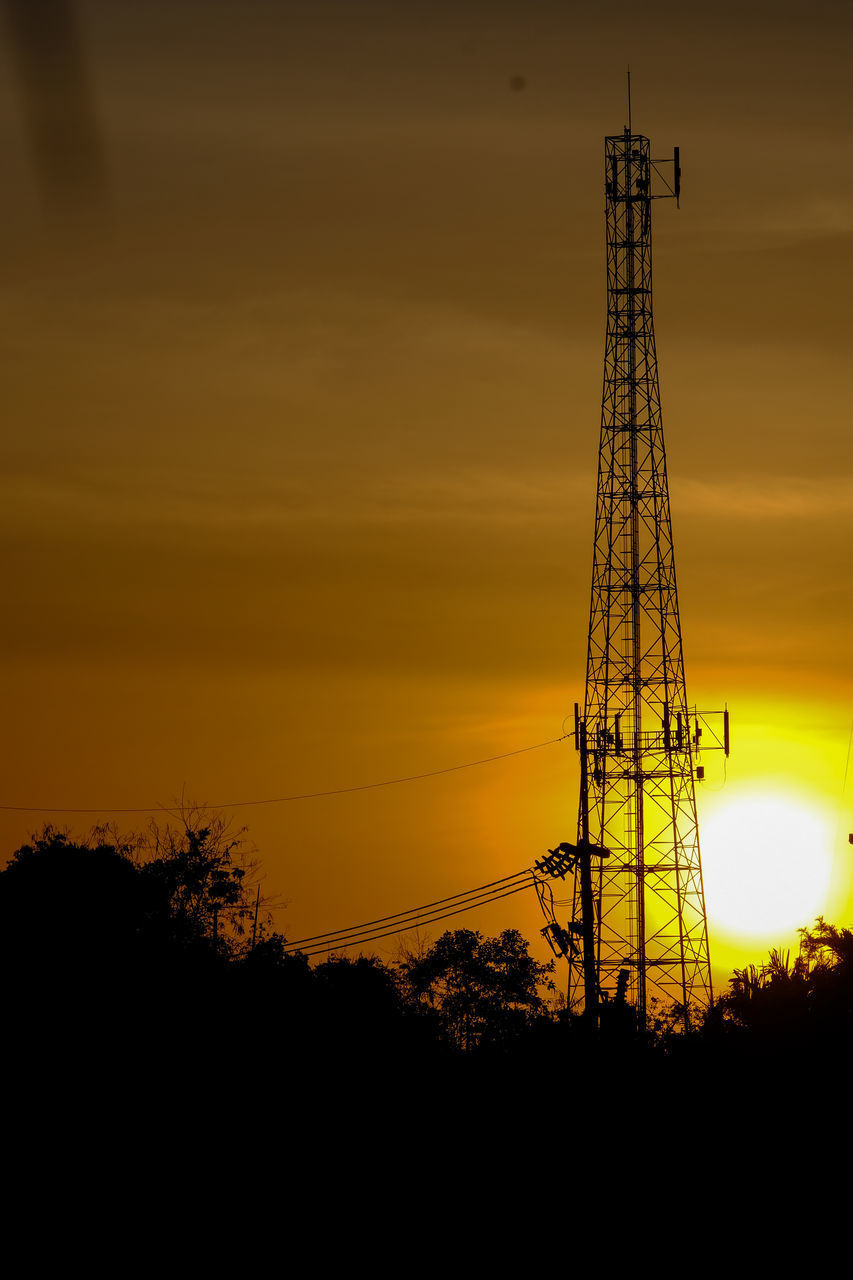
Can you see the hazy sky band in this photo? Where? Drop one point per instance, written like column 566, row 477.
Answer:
column 300, row 431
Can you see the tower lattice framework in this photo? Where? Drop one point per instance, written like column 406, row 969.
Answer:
column 641, row 738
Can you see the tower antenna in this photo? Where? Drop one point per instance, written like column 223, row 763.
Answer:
column 639, row 735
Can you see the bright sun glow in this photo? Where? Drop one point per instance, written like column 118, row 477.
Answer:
column 767, row 863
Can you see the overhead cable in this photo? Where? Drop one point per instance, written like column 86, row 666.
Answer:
column 303, row 795
column 411, row 911
column 388, row 933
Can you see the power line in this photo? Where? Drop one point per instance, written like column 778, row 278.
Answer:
column 388, row 933
column 426, row 906
column 305, row 795
column 412, row 915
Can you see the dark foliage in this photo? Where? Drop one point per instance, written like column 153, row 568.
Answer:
column 806, row 1003
column 481, row 990
column 128, row 957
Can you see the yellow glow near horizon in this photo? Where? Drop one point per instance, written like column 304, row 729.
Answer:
column 767, row 863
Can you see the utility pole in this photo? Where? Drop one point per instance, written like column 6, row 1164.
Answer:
column 637, row 735
column 590, row 970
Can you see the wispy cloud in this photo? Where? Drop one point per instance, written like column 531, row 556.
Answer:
column 98, row 496
column 767, row 498
column 489, row 496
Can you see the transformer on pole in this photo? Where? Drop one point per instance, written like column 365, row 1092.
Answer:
column 640, row 738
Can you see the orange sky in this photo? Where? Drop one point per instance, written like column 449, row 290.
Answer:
column 301, row 431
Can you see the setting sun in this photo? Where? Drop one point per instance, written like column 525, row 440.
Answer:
column 767, row 862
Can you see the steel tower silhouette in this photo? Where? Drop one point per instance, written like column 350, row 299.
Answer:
column 637, row 736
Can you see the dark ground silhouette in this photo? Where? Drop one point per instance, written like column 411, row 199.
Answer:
column 135, row 985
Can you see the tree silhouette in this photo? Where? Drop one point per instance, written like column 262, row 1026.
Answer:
column 808, row 1000
column 111, row 932
column 143, row 945
column 770, row 1001
column 203, row 868
column 482, row 990
column 826, row 946
column 68, row 906
column 829, row 953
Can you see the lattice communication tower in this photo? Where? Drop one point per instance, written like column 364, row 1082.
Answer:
column 638, row 738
